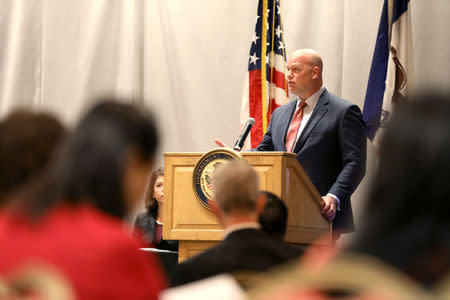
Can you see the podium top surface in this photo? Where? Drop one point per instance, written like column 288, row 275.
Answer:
column 256, row 153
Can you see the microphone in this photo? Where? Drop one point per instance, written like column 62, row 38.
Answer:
column 240, row 142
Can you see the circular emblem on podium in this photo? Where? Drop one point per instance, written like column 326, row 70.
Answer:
column 204, row 170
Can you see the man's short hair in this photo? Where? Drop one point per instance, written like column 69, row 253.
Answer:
column 236, row 187
column 273, row 219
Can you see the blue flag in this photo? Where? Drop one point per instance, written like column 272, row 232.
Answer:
column 391, row 73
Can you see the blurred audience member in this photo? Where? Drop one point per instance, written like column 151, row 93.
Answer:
column 150, row 223
column 273, row 219
column 403, row 248
column 74, row 222
column 245, row 247
column 28, row 141
column 406, row 223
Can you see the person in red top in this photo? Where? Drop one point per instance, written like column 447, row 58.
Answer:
column 73, row 222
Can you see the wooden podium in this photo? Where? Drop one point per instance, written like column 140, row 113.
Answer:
column 195, row 226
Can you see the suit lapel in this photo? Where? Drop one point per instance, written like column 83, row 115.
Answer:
column 285, row 122
column 320, row 109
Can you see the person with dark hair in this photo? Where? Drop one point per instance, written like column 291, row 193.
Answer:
column 73, row 223
column 405, row 220
column 111, row 144
column 403, row 248
column 28, row 141
column 150, row 222
column 273, row 219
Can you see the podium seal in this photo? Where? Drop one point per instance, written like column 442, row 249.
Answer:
column 204, row 170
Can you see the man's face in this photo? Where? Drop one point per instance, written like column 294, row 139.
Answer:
column 300, row 76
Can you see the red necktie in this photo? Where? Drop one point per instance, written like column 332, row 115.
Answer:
column 295, row 125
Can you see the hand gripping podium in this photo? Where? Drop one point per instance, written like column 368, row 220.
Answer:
column 186, row 219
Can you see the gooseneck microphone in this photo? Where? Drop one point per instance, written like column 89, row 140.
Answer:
column 240, row 142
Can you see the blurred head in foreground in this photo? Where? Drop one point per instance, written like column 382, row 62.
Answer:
column 273, row 219
column 405, row 220
column 105, row 161
column 72, row 221
column 28, row 141
column 237, row 198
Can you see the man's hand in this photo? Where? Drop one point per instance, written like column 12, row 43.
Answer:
column 329, row 210
column 219, row 143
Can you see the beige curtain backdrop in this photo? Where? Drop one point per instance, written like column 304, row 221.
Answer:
column 188, row 59
column 57, row 55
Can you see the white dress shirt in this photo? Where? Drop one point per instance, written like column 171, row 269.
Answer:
column 240, row 226
column 307, row 111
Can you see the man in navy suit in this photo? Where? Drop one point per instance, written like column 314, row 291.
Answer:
column 330, row 141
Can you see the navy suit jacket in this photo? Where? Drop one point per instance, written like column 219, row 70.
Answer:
column 242, row 250
column 331, row 149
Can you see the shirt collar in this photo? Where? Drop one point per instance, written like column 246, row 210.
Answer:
column 240, row 226
column 312, row 100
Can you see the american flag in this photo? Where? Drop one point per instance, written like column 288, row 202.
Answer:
column 265, row 87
